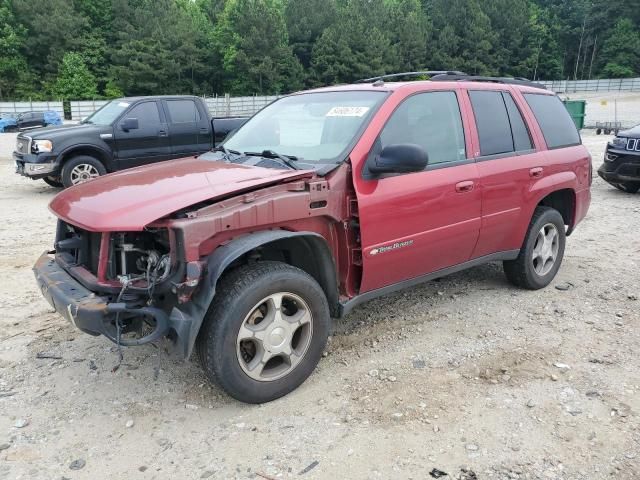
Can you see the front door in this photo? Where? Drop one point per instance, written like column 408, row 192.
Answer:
column 417, row 223
column 147, row 143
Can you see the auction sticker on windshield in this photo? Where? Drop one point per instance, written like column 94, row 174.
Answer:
column 347, row 111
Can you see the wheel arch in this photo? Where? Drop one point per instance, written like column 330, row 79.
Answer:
column 564, row 201
column 89, row 150
column 308, row 251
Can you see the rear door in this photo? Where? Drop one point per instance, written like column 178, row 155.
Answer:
column 507, row 162
column 189, row 128
column 146, row 144
column 417, row 223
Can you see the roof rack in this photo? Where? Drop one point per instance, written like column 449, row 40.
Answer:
column 474, row 78
column 430, row 73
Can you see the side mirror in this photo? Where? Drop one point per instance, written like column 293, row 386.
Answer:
column 400, row 158
column 129, row 124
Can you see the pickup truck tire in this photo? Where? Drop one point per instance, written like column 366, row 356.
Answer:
column 629, row 187
column 81, row 169
column 542, row 252
column 256, row 363
column 53, row 182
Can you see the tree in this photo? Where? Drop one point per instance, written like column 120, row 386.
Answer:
column 168, row 52
column 13, row 66
column 306, row 21
column 74, row 81
column 251, row 37
column 622, row 51
column 463, row 42
column 409, row 31
column 355, row 46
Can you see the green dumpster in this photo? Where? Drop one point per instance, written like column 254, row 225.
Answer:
column 576, row 109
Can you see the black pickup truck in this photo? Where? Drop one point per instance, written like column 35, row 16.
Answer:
column 124, row 133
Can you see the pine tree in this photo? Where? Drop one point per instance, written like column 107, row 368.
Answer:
column 355, row 46
column 622, row 51
column 252, row 39
column 74, row 81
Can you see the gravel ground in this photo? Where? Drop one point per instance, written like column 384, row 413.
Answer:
column 466, row 375
column 7, row 144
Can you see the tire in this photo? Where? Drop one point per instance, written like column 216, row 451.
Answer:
column 228, row 344
column 598, row 131
column 53, row 182
column 81, row 169
column 629, row 187
column 530, row 270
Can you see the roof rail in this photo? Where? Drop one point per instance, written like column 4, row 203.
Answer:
column 474, row 78
column 429, row 73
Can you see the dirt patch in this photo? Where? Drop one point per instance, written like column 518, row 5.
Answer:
column 466, row 372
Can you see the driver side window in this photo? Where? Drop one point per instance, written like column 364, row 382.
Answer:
column 146, row 113
column 431, row 120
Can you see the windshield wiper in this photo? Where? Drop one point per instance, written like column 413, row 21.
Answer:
column 286, row 159
column 226, row 152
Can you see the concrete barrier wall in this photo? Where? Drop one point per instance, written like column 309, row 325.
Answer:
column 16, row 107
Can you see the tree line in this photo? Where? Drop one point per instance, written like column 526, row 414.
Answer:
column 84, row 49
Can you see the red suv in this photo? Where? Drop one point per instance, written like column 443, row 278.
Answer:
column 323, row 200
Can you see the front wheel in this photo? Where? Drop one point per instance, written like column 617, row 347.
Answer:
column 542, row 252
column 265, row 331
column 81, row 169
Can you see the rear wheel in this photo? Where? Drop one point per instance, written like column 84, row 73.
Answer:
column 53, row 181
column 265, row 332
column 81, row 169
column 542, row 252
column 629, row 187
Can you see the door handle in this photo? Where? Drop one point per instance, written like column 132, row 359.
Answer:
column 464, row 187
column 536, row 172
column 204, row 130
column 162, row 133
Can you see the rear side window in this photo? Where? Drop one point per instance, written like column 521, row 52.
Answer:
column 183, row 111
column 554, row 120
column 521, row 138
column 500, row 125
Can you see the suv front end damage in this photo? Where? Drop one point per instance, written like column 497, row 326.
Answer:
column 123, row 285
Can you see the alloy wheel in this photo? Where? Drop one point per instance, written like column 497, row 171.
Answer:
column 274, row 336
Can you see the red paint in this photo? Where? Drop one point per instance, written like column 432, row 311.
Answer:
column 131, row 199
column 380, row 231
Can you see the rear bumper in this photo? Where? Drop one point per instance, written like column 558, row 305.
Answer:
column 583, row 201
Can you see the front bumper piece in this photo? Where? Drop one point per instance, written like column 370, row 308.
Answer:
column 91, row 313
column 620, row 166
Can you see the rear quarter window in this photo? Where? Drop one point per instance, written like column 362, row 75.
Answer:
column 554, row 120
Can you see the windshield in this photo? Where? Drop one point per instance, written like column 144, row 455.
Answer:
column 106, row 114
column 313, row 127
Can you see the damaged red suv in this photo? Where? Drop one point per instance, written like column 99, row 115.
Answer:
column 323, row 200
